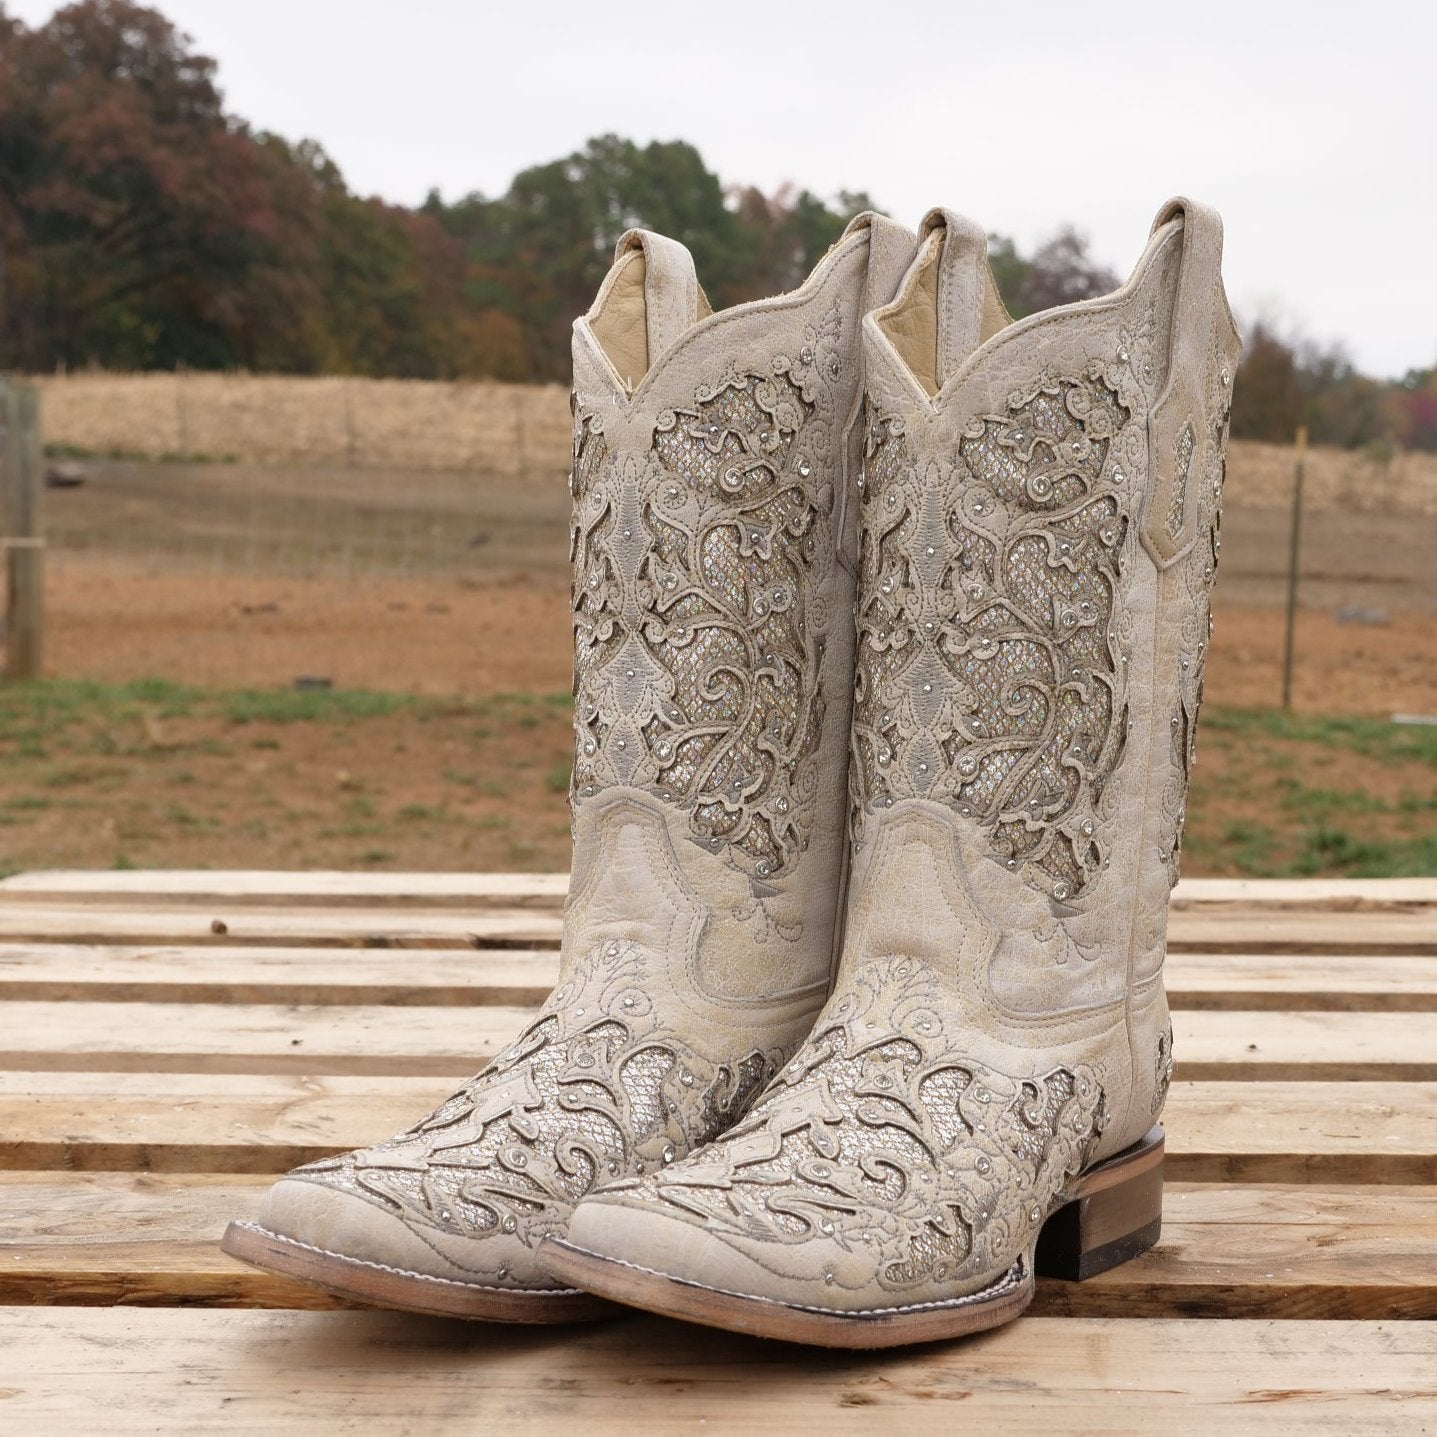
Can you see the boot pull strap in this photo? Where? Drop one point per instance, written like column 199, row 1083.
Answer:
column 1182, row 426
column 890, row 252
column 966, row 294
column 671, row 288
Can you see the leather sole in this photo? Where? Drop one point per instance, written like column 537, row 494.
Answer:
column 1111, row 1213
column 381, row 1286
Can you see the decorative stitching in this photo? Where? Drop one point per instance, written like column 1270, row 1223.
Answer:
column 884, row 1141
column 596, row 1086
column 405, row 1272
column 1015, row 1277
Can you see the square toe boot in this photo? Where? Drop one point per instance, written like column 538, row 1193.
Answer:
column 714, row 531
column 978, row 1101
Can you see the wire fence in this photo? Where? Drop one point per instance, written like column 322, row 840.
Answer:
column 187, row 493
column 241, row 474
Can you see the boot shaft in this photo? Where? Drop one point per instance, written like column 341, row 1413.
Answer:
column 713, row 536
column 1039, row 537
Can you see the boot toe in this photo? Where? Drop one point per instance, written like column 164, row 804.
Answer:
column 658, row 1242
column 334, row 1223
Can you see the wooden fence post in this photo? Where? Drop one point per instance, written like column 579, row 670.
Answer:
column 24, row 548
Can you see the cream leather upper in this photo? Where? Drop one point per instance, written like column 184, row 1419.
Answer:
column 715, row 467
column 1039, row 533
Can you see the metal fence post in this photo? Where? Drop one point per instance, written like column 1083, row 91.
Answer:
column 1294, row 548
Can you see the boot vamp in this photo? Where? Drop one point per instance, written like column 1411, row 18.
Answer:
column 610, row 1080
column 888, row 1166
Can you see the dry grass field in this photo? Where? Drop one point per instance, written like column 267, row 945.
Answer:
column 416, row 564
column 265, row 419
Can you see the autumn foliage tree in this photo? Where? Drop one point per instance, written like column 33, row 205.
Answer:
column 144, row 227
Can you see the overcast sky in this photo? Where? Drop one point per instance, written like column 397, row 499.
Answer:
column 1313, row 127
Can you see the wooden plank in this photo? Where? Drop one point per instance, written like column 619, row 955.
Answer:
column 130, row 973
column 1304, row 1047
column 117, row 1370
column 1226, row 1251
column 1353, row 894
column 429, row 1040
column 1285, row 1132
column 548, row 889
column 183, row 1122
column 1239, row 928
column 136, row 973
column 255, row 1038
column 1276, row 981
column 179, row 1122
column 264, row 886
column 217, row 924
column 1231, row 928
column 1272, row 1251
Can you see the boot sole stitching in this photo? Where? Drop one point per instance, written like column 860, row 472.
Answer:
column 1010, row 1280
column 405, row 1272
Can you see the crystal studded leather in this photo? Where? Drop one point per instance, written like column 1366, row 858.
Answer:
column 1039, row 532
column 714, row 488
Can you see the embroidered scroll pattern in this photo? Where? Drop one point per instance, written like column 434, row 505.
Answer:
column 698, row 611
column 1195, row 573
column 990, row 674
column 595, row 1086
column 912, row 1163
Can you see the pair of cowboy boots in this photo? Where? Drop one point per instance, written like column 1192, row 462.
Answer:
column 890, row 618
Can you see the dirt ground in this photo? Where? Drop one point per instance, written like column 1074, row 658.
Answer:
column 1366, row 638
column 443, row 740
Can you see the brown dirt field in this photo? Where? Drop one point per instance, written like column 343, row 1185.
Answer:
column 510, row 634
column 507, row 634
column 475, row 777
column 502, row 624
column 453, row 586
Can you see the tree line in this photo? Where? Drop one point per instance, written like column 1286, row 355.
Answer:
column 144, row 227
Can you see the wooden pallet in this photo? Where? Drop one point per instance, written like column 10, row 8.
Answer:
column 169, row 1041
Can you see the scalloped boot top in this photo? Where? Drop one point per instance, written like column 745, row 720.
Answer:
column 715, row 497
column 978, row 1100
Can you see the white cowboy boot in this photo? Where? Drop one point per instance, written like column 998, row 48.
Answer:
column 714, row 541
column 977, row 1100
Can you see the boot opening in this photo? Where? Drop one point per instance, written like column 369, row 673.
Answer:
column 911, row 322
column 619, row 320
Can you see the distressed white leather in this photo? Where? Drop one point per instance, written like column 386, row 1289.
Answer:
column 1039, row 535
column 715, row 466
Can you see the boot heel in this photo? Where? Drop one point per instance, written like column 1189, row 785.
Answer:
column 1115, row 1212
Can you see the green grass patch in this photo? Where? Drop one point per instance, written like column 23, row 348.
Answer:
column 1371, row 737
column 1327, row 850
column 245, row 706
column 1300, row 782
